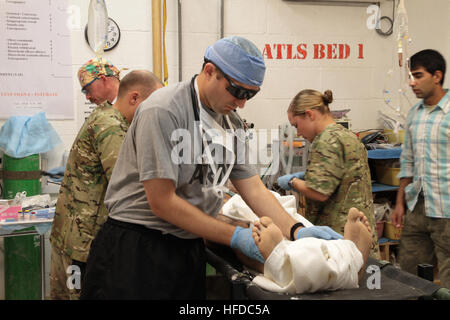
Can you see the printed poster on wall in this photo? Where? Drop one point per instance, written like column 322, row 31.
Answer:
column 35, row 59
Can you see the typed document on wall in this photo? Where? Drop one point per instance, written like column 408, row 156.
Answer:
column 35, row 59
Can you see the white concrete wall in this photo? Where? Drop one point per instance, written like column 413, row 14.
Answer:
column 356, row 83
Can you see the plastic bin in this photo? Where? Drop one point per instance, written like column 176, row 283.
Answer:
column 387, row 175
column 391, row 231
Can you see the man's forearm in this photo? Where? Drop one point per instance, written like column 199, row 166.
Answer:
column 269, row 206
column 264, row 203
column 300, row 186
column 167, row 205
column 400, row 200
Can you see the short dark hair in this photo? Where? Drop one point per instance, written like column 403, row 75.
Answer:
column 135, row 79
column 430, row 60
column 220, row 73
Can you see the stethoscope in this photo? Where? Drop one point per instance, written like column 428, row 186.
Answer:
column 206, row 157
column 195, row 99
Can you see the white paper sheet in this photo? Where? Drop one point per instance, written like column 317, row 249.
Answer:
column 35, row 59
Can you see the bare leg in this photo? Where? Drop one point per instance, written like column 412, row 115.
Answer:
column 357, row 229
column 266, row 235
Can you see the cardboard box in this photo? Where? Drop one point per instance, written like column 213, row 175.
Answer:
column 380, row 228
column 8, row 213
column 393, row 137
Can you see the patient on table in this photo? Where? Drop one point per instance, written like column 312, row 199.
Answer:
column 310, row 264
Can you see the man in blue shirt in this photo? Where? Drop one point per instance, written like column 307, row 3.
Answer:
column 425, row 171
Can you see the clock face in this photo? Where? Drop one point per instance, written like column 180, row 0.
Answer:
column 112, row 35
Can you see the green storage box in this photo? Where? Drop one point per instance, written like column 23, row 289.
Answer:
column 22, row 253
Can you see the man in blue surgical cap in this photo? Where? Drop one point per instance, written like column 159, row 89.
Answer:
column 168, row 183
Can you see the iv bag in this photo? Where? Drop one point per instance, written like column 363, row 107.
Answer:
column 97, row 26
column 396, row 86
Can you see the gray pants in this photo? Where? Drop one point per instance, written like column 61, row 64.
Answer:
column 425, row 240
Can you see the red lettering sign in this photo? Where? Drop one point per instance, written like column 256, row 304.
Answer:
column 328, row 51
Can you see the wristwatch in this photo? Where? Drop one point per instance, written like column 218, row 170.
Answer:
column 293, row 228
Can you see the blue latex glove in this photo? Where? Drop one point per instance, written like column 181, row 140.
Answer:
column 243, row 241
column 321, row 232
column 56, row 174
column 283, row 181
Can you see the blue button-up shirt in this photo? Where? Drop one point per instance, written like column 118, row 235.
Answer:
column 426, row 157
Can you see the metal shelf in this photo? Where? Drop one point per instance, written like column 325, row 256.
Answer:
column 379, row 187
column 393, row 153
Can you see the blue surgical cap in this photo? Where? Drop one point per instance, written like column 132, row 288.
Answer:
column 238, row 58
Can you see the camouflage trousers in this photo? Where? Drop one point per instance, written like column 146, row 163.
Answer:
column 375, row 248
column 425, row 240
column 59, row 277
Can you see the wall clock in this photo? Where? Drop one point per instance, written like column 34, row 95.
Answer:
column 112, row 35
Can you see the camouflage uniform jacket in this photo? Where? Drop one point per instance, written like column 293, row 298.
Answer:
column 80, row 210
column 338, row 167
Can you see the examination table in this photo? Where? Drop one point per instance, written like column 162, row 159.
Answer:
column 394, row 284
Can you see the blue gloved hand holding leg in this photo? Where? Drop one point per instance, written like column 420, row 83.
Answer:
column 243, row 241
column 283, row 181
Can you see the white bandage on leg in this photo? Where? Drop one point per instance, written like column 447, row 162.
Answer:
column 311, row 265
column 236, row 208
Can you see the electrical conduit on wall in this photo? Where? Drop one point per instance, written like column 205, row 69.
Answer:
column 159, row 50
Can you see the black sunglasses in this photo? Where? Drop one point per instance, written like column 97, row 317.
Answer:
column 239, row 92
column 234, row 89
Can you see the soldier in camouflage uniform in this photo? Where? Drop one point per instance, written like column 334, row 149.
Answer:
column 80, row 211
column 338, row 175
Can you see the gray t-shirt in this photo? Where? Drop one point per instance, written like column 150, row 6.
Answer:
column 148, row 152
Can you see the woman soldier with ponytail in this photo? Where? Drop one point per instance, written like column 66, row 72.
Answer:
column 337, row 177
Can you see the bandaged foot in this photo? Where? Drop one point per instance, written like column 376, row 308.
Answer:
column 266, row 235
column 357, row 229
